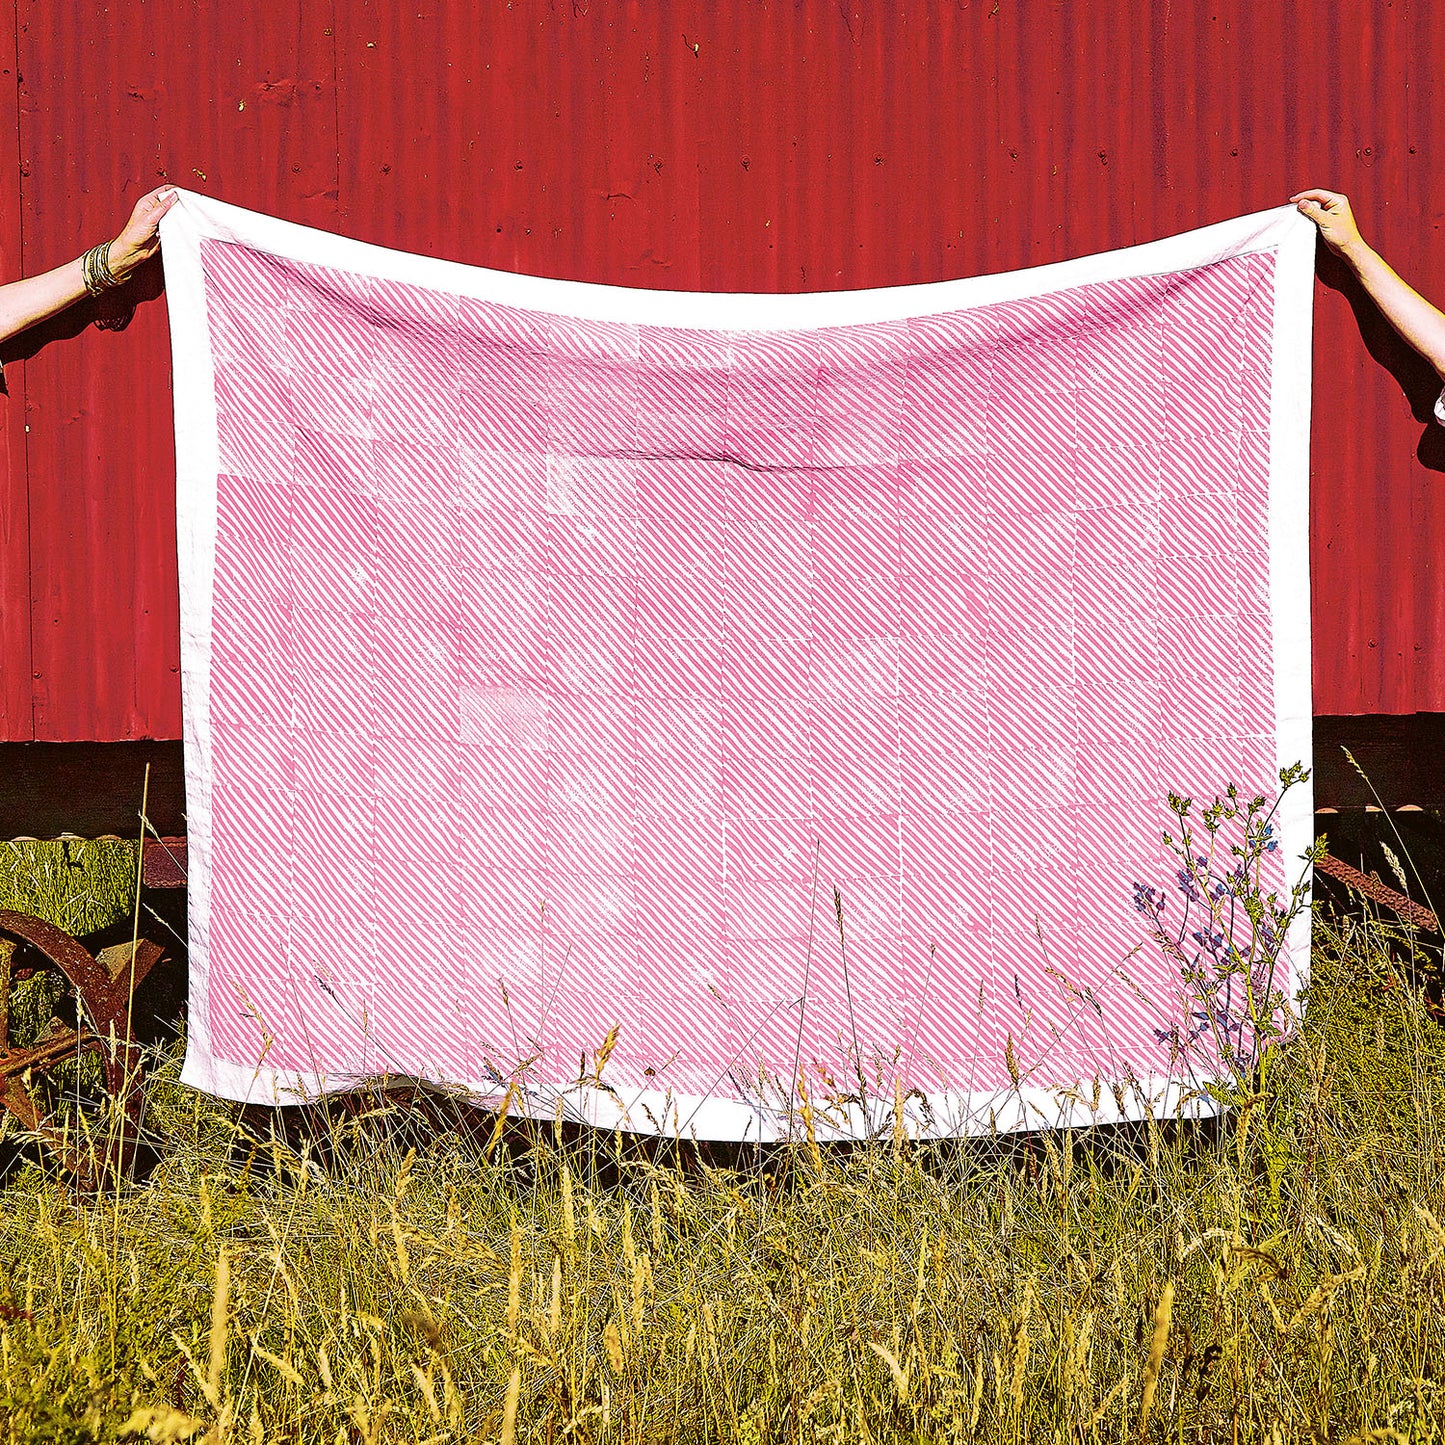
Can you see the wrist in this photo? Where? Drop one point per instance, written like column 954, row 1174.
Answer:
column 121, row 261
column 1355, row 253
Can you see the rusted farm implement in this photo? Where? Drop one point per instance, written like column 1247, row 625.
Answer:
column 92, row 1129
column 76, row 1082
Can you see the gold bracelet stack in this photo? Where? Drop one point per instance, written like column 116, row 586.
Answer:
column 95, row 267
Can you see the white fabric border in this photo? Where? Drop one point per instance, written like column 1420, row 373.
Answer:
column 196, row 218
column 1289, row 561
column 198, row 463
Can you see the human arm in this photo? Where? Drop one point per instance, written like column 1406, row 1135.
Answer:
column 37, row 298
column 1416, row 320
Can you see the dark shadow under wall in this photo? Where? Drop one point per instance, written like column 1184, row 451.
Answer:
column 90, row 789
column 94, row 789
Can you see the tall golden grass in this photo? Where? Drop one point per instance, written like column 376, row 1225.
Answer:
column 394, row 1277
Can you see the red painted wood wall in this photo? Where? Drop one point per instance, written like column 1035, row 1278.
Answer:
column 751, row 144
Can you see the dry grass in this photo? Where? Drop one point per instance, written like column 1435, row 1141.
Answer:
column 391, row 1281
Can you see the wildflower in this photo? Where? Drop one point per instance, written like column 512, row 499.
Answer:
column 1146, row 900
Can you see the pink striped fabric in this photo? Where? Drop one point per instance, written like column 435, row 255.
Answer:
column 794, row 701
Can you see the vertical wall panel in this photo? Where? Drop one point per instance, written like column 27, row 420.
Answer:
column 116, row 99
column 761, row 145
column 16, row 717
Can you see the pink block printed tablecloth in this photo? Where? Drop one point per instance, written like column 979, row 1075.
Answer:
column 560, row 657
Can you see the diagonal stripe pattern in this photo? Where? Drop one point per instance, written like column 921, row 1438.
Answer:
column 793, row 700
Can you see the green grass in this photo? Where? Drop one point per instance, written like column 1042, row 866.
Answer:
column 79, row 884
column 1285, row 1279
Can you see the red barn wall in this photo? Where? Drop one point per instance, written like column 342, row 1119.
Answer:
column 752, row 145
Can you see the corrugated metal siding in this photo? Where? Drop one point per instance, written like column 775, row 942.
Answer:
column 752, row 146
column 15, row 705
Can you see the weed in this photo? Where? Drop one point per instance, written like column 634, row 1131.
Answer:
column 398, row 1270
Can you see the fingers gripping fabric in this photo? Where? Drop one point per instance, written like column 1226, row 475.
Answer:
column 793, row 683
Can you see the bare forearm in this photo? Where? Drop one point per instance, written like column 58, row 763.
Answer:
column 37, row 298
column 1417, row 321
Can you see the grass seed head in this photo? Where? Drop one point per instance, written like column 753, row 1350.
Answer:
column 1163, row 1314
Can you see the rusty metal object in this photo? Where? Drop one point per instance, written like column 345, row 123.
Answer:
column 103, row 987
column 1372, row 888
column 163, row 863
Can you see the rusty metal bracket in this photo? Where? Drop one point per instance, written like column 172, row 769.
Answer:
column 1373, row 889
